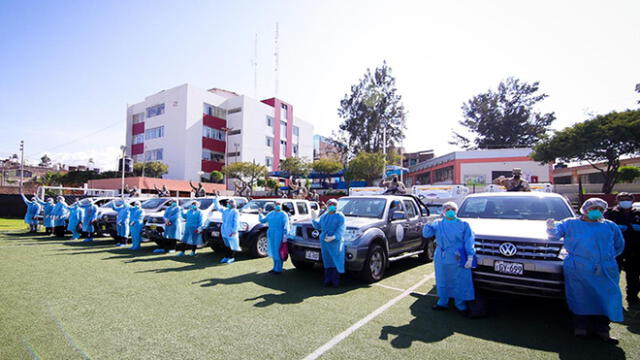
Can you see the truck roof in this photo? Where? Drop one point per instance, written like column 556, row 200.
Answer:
column 516, row 193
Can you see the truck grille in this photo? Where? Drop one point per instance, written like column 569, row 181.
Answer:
column 307, row 232
column 109, row 218
column 548, row 250
column 155, row 220
column 214, row 226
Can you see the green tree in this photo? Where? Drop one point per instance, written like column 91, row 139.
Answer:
column 295, row 166
column 51, row 178
column 154, row 169
column 45, row 161
column 504, row 118
column 628, row 174
column 326, row 166
column 393, row 157
column 247, row 173
column 604, row 138
column 638, row 90
column 372, row 107
column 365, row 166
column 216, row 176
column 78, row 178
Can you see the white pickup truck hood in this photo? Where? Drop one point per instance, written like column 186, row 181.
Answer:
column 251, row 219
column 507, row 228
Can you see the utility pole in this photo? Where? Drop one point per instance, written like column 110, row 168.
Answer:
column 123, row 148
column 384, row 150
column 21, row 164
column 226, row 151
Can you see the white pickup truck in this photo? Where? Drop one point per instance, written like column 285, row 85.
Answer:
column 253, row 234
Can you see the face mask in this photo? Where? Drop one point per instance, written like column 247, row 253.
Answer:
column 332, row 208
column 451, row 214
column 172, row 204
column 278, row 207
column 594, row 214
column 194, row 207
column 228, row 206
column 625, row 204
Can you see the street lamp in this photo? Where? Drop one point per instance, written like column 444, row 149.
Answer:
column 123, row 148
column 226, row 150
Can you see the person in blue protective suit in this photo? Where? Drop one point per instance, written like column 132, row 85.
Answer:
column 122, row 210
column 33, row 210
column 75, row 218
column 47, row 217
column 89, row 217
column 332, row 227
column 590, row 269
column 229, row 229
column 136, row 217
column 278, row 222
column 194, row 221
column 60, row 215
column 172, row 227
column 454, row 239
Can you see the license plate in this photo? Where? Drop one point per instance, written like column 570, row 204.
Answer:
column 510, row 268
column 153, row 227
column 215, row 233
column 311, row 255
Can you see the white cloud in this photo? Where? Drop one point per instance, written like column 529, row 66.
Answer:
column 105, row 158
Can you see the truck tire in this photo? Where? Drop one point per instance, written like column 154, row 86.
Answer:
column 302, row 265
column 259, row 245
column 374, row 265
column 216, row 246
column 429, row 251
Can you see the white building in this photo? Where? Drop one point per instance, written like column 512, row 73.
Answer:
column 194, row 130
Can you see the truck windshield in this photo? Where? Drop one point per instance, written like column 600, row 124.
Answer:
column 152, row 203
column 252, row 206
column 517, row 207
column 362, row 207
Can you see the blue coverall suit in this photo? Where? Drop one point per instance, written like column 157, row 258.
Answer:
column 333, row 252
column 278, row 222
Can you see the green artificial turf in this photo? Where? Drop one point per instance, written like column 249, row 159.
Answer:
column 63, row 299
column 12, row 224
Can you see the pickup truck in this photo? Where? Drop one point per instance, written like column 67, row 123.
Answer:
column 253, row 234
column 514, row 252
column 106, row 224
column 380, row 229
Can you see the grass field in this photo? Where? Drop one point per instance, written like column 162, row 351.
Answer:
column 63, row 299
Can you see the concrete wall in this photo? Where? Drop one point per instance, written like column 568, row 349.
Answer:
column 529, row 168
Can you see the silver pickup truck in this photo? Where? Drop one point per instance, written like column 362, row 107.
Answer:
column 514, row 252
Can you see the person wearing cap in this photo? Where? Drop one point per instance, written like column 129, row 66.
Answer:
column 514, row 183
column 192, row 236
column 136, row 220
column 278, row 226
column 332, row 228
column 122, row 210
column 453, row 258
column 628, row 220
column 89, row 217
column 229, row 229
column 60, row 214
column 47, row 217
column 590, row 269
column 31, row 216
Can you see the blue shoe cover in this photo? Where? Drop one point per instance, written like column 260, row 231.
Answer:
column 223, row 261
column 229, row 261
column 181, row 253
column 87, row 240
column 158, row 251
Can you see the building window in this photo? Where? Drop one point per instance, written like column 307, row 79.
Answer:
column 153, row 155
column 295, row 149
column 212, row 155
column 562, row 180
column 269, row 120
column 233, row 155
column 268, row 161
column 212, row 133
column 234, row 110
column 269, row 141
column 444, row 174
column 155, row 110
column 283, row 112
column 283, row 148
column 235, row 132
column 215, row 111
column 283, row 128
column 497, row 174
column 154, row 133
column 138, row 118
column 138, row 139
column 296, row 131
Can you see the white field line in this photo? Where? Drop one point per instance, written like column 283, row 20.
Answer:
column 389, row 287
column 343, row 335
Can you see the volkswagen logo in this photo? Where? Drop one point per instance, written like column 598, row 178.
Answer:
column 315, row 233
column 508, row 249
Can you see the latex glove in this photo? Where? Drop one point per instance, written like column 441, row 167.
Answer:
column 168, row 223
column 469, row 262
column 635, row 227
column 623, row 227
column 131, row 224
column 329, row 238
column 551, row 224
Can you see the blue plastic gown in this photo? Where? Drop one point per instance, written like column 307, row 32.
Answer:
column 33, row 209
column 136, row 217
column 278, row 222
column 592, row 279
column 47, row 217
column 452, row 280
column 230, row 225
column 332, row 252
column 75, row 218
column 60, row 214
column 122, row 219
column 173, row 215
column 90, row 214
column 193, row 227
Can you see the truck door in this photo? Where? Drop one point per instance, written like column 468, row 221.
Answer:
column 397, row 227
column 414, row 225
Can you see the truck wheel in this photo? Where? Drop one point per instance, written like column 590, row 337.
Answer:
column 302, row 265
column 429, row 251
column 260, row 244
column 375, row 264
column 216, row 246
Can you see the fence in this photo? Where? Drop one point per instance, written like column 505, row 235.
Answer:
column 12, row 206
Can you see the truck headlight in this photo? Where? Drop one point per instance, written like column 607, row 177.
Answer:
column 563, row 253
column 292, row 231
column 243, row 226
column 352, row 234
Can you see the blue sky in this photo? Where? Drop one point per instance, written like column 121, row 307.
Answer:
column 69, row 68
